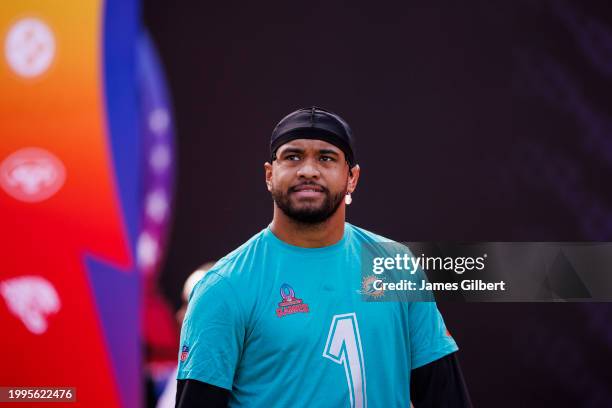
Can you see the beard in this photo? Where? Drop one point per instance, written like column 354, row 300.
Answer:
column 308, row 214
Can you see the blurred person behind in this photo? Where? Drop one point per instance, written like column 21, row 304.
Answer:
column 168, row 396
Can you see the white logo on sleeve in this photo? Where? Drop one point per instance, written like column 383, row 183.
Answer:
column 32, row 174
column 29, row 47
column 31, row 299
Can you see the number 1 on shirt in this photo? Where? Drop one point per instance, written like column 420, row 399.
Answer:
column 344, row 347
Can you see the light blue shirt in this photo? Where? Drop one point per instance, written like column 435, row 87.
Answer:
column 280, row 325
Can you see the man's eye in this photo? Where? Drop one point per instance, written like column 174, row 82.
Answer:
column 327, row 159
column 292, row 157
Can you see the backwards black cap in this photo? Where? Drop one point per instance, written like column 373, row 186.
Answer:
column 314, row 123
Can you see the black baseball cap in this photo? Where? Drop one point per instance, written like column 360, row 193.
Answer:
column 314, row 123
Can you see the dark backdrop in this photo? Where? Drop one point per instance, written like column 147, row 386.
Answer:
column 475, row 121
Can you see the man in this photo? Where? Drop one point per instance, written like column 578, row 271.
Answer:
column 278, row 322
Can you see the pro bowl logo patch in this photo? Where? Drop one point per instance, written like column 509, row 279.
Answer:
column 184, row 353
column 290, row 304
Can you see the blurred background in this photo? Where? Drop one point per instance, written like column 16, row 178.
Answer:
column 134, row 136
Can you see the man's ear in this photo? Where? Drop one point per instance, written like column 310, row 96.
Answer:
column 268, row 170
column 353, row 178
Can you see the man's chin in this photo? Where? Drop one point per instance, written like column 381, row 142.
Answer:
column 308, row 203
column 306, row 209
column 308, row 212
column 309, row 217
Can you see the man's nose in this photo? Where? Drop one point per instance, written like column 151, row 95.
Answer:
column 309, row 169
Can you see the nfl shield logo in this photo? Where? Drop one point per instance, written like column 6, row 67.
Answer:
column 184, row 353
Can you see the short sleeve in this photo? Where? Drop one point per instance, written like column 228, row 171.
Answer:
column 213, row 333
column 429, row 338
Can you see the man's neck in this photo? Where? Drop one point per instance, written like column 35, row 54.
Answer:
column 303, row 235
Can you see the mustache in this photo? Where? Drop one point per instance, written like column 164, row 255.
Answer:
column 297, row 187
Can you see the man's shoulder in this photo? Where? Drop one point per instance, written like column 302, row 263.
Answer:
column 365, row 236
column 229, row 272
column 240, row 258
column 375, row 244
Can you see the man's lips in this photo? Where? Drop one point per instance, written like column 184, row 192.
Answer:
column 308, row 187
column 307, row 190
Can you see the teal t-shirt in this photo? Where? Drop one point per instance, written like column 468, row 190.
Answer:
column 280, row 325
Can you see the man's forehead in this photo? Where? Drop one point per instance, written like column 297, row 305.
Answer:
column 309, row 144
